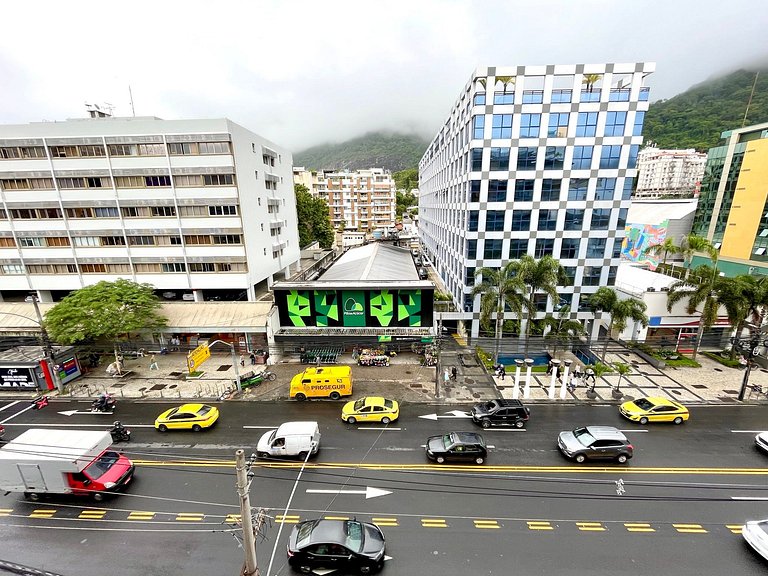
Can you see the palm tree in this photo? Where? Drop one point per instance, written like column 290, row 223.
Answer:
column 664, row 248
column 542, row 275
column 606, row 300
column 700, row 288
column 744, row 298
column 506, row 80
column 561, row 327
column 693, row 243
column 499, row 288
column 623, row 370
column 590, row 80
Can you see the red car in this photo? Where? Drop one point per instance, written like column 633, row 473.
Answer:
column 2, row 432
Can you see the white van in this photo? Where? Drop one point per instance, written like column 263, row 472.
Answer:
column 291, row 439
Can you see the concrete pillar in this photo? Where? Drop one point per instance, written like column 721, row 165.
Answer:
column 553, row 380
column 516, row 388
column 564, row 384
column 527, row 390
column 198, row 294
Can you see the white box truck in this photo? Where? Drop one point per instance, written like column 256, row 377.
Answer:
column 290, row 439
column 75, row 462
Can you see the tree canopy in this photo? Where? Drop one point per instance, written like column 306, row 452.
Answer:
column 104, row 310
column 314, row 218
column 407, row 179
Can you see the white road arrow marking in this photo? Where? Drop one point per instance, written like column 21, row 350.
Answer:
column 749, row 498
column 370, row 492
column 72, row 412
column 451, row 414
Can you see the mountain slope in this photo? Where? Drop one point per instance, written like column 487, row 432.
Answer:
column 391, row 151
column 697, row 117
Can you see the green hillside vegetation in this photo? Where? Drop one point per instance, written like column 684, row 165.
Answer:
column 697, row 117
column 390, row 151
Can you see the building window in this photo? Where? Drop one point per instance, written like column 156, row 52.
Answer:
column 612, row 275
column 479, row 99
column 32, row 242
column 57, row 241
column 561, row 96
column 629, row 184
column 214, row 148
column 157, row 181
column 524, row 190
column 151, row 150
column 471, row 249
column 533, row 96
column 502, row 126
column 553, row 157
column 219, row 179
column 202, row 267
column 23, row 213
column 621, row 223
column 499, row 159
column 596, row 248
column 550, row 189
column 494, row 221
column 492, row 249
column 544, row 246
column 93, row 268
column 521, row 220
column 112, row 241
column 163, row 211
column 517, row 248
column 474, row 217
column 619, row 95
column 530, row 125
column 469, row 276
column 632, row 159
column 617, row 242
column 547, row 219
column 497, row 190
column 586, row 124
column 577, row 189
column 637, row 129
column 141, row 240
column 606, row 188
column 194, row 210
column 477, row 159
column 7, row 242
column 106, row 212
column 13, row 152
column 71, row 183
column 614, row 123
column 182, row 148
column 226, row 239
column 129, row 182
column 570, row 248
column 526, row 158
column 558, row 125
column 503, row 97
column 197, row 239
column 570, row 273
column 13, row 269
column 76, row 212
column 600, row 218
column 123, row 150
column 591, row 276
column 188, row 181
column 582, row 158
column 574, row 219
column 222, row 210
column 609, row 157
column 478, row 127
column 173, row 267
column 474, row 190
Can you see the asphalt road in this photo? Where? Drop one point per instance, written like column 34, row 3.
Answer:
column 671, row 509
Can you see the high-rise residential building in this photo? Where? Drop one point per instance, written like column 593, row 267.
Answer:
column 201, row 209
column 733, row 203
column 362, row 200
column 534, row 160
column 668, row 173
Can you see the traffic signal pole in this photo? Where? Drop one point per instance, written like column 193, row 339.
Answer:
column 249, row 538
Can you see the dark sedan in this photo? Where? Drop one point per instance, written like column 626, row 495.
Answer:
column 457, row 446
column 336, row 544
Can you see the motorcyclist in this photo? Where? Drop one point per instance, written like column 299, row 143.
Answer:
column 103, row 401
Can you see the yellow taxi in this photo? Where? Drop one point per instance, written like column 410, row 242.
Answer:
column 654, row 409
column 370, row 409
column 193, row 417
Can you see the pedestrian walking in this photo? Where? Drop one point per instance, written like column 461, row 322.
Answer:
column 253, row 359
column 317, row 361
column 503, row 371
column 550, row 366
column 153, row 363
column 242, row 360
column 446, row 376
column 454, row 373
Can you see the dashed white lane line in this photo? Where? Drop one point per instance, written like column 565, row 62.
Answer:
column 747, row 431
column 39, row 425
column 9, row 405
column 18, row 413
column 633, row 430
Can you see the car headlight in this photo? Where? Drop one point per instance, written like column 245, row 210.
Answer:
column 109, row 485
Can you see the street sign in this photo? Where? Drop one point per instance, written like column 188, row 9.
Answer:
column 197, row 356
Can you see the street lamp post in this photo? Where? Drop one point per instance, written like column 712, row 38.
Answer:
column 749, row 348
column 47, row 348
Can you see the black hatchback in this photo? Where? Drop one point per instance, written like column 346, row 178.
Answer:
column 336, row 544
column 500, row 412
column 457, row 447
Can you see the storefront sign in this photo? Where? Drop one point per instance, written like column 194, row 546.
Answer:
column 17, row 379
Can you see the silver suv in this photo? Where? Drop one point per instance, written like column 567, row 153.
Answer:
column 595, row 443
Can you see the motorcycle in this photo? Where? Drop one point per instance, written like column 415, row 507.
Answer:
column 256, row 379
column 120, row 433
column 40, row 402
column 104, row 403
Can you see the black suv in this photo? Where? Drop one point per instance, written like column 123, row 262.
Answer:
column 500, row 412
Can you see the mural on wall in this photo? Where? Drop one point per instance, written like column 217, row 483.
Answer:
column 409, row 306
column 640, row 237
column 298, row 307
column 327, row 307
column 382, row 307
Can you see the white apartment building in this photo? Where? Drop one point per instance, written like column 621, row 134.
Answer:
column 534, row 160
column 669, row 172
column 362, row 199
column 200, row 209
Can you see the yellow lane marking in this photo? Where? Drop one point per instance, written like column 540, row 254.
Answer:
column 336, row 517
column 233, row 519
column 385, row 521
column 689, row 528
column 590, row 526
column 141, row 516
column 5, row 511
column 287, row 519
column 486, row 524
column 189, row 517
column 535, row 525
column 92, row 514
column 735, row 528
column 434, row 523
column 42, row 513
column 638, row 527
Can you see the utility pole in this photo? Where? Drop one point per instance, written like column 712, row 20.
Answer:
column 249, row 538
column 47, row 348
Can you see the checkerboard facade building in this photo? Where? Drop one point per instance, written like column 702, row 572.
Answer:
column 537, row 160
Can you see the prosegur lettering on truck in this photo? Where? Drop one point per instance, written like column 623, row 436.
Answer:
column 327, row 382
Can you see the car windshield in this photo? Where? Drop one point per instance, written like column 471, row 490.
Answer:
column 643, row 404
column 449, row 439
column 102, row 464
column 489, row 405
column 204, row 410
column 583, row 436
column 172, row 412
column 354, row 535
column 359, row 404
column 389, row 404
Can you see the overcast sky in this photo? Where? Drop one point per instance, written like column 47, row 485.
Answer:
column 306, row 72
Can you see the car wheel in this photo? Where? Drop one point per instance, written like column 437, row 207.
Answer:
column 385, row 420
column 263, row 455
column 300, row 397
column 302, row 455
column 486, row 423
column 305, row 569
column 334, row 395
column 621, row 458
column 580, row 458
column 351, row 420
column 98, row 497
column 439, row 459
column 678, row 420
column 643, row 420
column 272, row 376
column 163, row 428
column 479, row 460
column 196, row 428
column 519, row 423
column 32, row 496
column 366, row 569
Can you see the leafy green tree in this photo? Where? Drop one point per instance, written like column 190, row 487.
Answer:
column 105, row 310
column 623, row 369
column 664, row 248
column 403, row 201
column 700, row 288
column 693, row 243
column 499, row 288
column 744, row 298
column 406, row 180
column 314, row 218
column 560, row 328
column 606, row 300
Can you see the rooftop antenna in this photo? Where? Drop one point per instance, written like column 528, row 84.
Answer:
column 130, row 94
